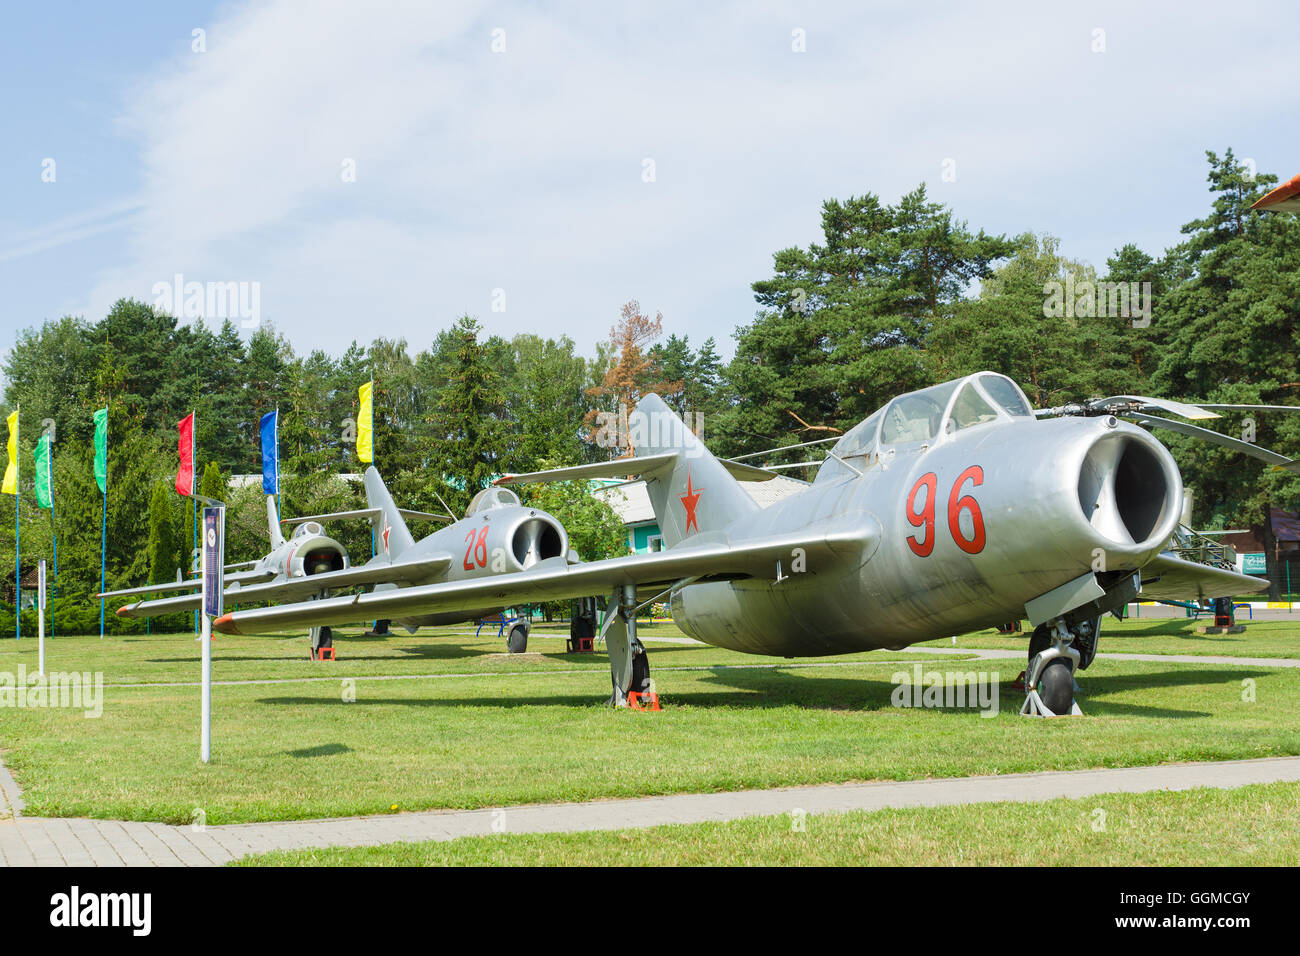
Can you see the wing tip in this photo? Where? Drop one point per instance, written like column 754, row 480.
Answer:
column 226, row 624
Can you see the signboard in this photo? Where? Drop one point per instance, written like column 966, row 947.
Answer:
column 1253, row 562
column 214, row 550
column 40, row 585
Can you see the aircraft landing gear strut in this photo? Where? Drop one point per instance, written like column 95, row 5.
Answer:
column 629, row 666
column 322, row 640
column 1049, row 679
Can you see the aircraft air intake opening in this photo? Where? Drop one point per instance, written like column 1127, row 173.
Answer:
column 1128, row 492
column 322, row 561
column 536, row 539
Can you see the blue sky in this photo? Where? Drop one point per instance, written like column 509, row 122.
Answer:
column 516, row 178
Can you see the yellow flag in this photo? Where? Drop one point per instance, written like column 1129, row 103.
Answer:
column 366, row 424
column 11, row 470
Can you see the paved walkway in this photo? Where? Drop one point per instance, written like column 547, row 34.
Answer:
column 27, row 841
column 996, row 653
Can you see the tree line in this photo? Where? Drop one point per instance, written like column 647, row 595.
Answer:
column 893, row 297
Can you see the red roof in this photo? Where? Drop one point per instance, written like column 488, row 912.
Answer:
column 1285, row 197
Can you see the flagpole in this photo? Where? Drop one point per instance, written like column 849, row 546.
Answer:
column 18, row 534
column 103, row 523
column 373, row 548
column 194, row 481
column 54, row 525
column 103, row 550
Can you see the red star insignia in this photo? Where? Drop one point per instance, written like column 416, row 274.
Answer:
column 386, row 530
column 689, row 501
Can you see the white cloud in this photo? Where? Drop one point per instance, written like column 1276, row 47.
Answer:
column 522, row 170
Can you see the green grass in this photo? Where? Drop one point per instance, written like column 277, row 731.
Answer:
column 493, row 730
column 1152, row 635
column 1253, row 825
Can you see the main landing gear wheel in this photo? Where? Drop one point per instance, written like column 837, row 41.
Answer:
column 518, row 639
column 640, row 669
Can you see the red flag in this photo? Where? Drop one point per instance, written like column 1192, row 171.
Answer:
column 185, row 477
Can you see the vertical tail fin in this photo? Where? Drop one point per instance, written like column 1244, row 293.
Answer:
column 393, row 537
column 695, row 494
column 273, row 522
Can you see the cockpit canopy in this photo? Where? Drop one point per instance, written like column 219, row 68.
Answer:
column 926, row 416
column 307, row 528
column 492, row 497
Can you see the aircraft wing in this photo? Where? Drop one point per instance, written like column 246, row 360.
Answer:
column 1170, row 578
column 555, row 579
column 373, row 572
column 622, row 467
column 191, row 584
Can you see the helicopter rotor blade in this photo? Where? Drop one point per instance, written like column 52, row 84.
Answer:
column 1182, row 409
column 1224, row 441
column 1256, row 408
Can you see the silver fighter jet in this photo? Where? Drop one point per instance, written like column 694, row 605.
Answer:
column 950, row 509
column 497, row 536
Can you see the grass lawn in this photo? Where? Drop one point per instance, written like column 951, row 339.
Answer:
column 1249, row 826
column 448, row 721
column 1153, row 635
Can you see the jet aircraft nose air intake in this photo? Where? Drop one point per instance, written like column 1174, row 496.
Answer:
column 536, row 539
column 1130, row 489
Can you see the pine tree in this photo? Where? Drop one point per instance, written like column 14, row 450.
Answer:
column 162, row 543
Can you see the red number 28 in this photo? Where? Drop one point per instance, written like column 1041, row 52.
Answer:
column 476, row 553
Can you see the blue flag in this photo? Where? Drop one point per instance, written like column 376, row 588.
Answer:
column 271, row 453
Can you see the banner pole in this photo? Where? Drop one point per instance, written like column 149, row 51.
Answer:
column 194, row 511
column 205, row 637
column 18, row 535
column 40, row 619
column 103, row 550
column 54, row 525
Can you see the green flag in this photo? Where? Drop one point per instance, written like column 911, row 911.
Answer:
column 44, row 473
column 101, row 449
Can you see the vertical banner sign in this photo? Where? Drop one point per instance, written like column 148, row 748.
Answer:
column 214, row 520
column 101, row 479
column 44, row 480
column 185, row 448
column 270, row 428
column 101, row 450
column 366, row 423
column 185, row 486
column 44, row 474
column 10, row 486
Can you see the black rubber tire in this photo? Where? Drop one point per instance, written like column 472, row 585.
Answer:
column 326, row 637
column 517, row 642
column 1056, row 686
column 640, row 673
column 1040, row 641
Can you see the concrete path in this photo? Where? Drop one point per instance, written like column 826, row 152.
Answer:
column 28, row 841
column 995, row 653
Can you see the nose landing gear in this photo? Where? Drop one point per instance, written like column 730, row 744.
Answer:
column 1049, row 679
